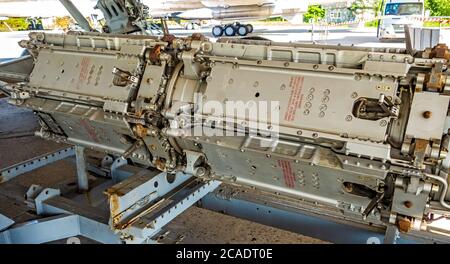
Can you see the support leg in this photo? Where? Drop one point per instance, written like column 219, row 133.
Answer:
column 391, row 235
column 83, row 184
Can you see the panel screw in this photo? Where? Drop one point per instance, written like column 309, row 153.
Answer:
column 408, row 204
column 427, row 114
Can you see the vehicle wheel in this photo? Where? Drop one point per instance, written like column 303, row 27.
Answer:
column 242, row 31
column 217, row 31
column 249, row 28
column 230, row 30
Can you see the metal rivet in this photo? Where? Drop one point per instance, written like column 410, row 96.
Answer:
column 427, row 114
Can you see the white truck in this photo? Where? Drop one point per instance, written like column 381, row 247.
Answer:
column 398, row 13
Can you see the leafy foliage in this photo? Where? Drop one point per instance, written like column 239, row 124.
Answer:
column 16, row 23
column 438, row 7
column 359, row 6
column 315, row 12
column 63, row 22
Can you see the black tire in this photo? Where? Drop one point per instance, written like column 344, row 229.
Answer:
column 217, row 31
column 229, row 30
column 249, row 28
column 242, row 31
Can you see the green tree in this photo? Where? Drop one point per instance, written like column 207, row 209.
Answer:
column 16, row 23
column 378, row 6
column 438, row 7
column 359, row 7
column 314, row 12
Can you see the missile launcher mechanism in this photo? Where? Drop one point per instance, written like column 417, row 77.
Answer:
column 361, row 131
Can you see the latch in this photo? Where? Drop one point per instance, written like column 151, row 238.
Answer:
column 375, row 109
column 123, row 78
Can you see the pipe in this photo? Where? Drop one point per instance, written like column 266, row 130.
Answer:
column 82, row 176
column 3, row 88
column 444, row 186
column 76, row 14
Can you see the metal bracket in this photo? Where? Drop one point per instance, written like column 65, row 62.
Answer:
column 115, row 173
column 35, row 163
column 132, row 197
column 5, row 222
column 165, row 211
column 56, row 228
column 38, row 195
column 192, row 158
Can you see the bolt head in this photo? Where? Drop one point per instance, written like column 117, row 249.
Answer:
column 427, row 114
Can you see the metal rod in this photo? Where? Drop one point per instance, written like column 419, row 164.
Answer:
column 77, row 15
column 444, row 190
column 3, row 89
column 392, row 235
column 83, row 183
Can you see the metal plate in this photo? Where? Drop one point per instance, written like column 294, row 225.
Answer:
column 432, row 127
column 307, row 100
column 81, row 73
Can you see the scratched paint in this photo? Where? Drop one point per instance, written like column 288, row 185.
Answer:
column 295, row 99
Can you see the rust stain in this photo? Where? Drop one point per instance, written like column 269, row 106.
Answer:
column 140, row 131
column 114, row 208
column 154, row 54
column 160, row 164
column 114, row 191
column 404, row 225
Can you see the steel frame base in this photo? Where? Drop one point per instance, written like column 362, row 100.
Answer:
column 74, row 218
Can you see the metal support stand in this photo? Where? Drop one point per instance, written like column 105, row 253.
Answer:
column 35, row 163
column 82, row 175
column 392, row 235
column 142, row 202
column 5, row 222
